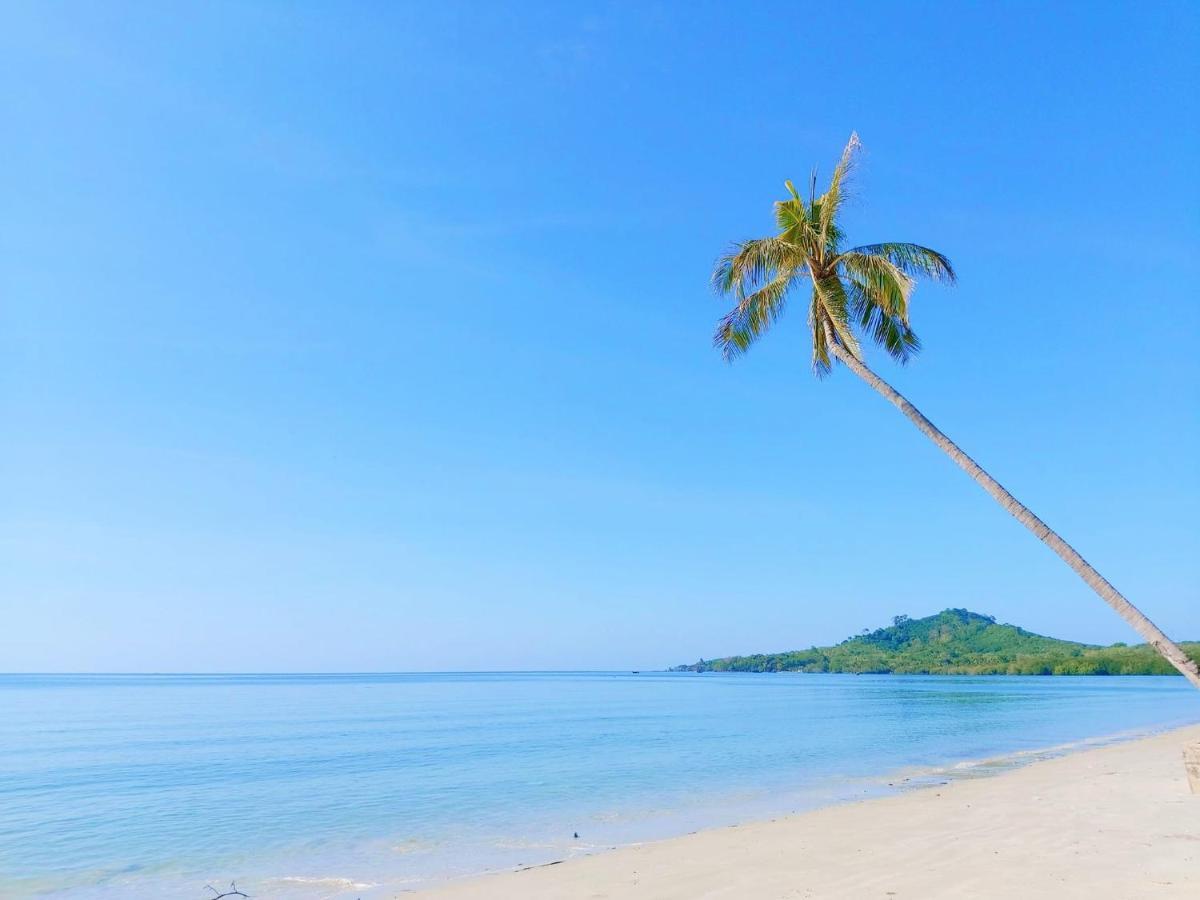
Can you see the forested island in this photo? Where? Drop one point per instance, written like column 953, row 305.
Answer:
column 955, row 642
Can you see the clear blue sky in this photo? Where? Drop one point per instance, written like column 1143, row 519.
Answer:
column 377, row 336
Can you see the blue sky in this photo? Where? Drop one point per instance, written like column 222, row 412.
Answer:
column 377, row 336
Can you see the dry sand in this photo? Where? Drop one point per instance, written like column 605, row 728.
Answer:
column 1113, row 822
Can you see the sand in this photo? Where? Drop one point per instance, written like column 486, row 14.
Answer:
column 1114, row 822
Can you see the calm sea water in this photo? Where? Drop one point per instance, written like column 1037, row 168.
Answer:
column 354, row 786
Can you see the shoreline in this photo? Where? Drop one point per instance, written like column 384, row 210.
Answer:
column 1112, row 820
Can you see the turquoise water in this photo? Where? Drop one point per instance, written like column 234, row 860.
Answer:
column 354, row 786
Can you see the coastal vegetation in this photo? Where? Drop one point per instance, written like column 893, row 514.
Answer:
column 864, row 291
column 954, row 642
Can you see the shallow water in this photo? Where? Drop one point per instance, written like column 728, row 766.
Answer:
column 347, row 786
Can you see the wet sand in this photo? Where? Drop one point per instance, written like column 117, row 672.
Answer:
column 1113, row 822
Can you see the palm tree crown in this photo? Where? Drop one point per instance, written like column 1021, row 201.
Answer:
column 864, row 288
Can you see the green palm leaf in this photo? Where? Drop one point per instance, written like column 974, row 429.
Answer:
column 753, row 315
column 831, row 201
column 913, row 260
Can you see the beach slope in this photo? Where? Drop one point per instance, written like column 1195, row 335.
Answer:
column 1113, row 822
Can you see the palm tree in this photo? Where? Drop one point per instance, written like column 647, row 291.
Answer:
column 865, row 290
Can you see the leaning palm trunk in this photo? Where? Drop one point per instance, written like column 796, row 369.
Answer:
column 1109, row 594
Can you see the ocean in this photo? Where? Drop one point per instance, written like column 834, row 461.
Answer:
column 357, row 786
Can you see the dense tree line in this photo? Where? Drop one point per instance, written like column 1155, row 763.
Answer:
column 955, row 642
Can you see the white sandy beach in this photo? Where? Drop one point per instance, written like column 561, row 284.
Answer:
column 1113, row 822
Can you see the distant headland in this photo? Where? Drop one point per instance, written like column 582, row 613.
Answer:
column 954, row 642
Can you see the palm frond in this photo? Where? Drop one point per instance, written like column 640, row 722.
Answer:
column 751, row 264
column 912, row 259
column 879, row 278
column 822, row 363
column 753, row 315
column 890, row 331
column 831, row 201
column 793, row 220
column 830, row 295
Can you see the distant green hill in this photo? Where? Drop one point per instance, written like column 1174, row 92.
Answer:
column 955, row 642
